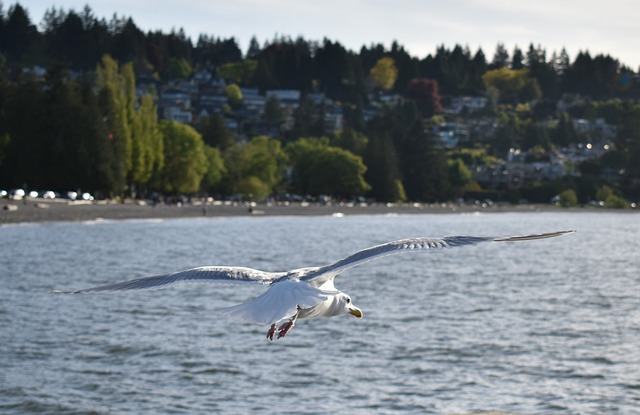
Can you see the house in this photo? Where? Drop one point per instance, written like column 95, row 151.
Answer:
column 289, row 98
column 466, row 103
column 175, row 98
column 596, row 129
column 178, row 114
column 450, row 134
column 253, row 103
column 333, row 117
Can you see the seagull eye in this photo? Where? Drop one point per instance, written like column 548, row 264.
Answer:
column 348, row 300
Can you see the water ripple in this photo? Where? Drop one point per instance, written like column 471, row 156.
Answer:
column 547, row 328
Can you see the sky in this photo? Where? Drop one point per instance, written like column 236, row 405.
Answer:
column 609, row 27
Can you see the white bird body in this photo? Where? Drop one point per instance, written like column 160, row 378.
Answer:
column 304, row 292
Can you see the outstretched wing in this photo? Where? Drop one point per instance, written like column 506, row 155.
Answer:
column 328, row 272
column 194, row 275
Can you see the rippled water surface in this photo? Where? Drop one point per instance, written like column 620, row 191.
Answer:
column 541, row 327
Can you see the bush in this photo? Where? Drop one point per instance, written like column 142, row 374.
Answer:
column 568, row 198
column 615, row 202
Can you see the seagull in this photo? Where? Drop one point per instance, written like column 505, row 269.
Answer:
column 304, row 292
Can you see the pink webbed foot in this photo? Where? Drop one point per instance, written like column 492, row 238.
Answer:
column 271, row 331
column 286, row 328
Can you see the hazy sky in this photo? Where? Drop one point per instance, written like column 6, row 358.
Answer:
column 599, row 26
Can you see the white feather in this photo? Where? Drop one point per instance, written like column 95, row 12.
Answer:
column 279, row 302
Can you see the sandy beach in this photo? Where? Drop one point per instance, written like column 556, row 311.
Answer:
column 35, row 210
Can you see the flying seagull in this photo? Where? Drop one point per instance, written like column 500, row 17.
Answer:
column 304, row 292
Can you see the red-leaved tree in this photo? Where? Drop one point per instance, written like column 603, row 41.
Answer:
column 426, row 96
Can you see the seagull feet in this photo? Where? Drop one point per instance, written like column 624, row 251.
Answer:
column 284, row 328
column 271, row 331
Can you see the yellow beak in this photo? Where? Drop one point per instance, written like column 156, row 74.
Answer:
column 356, row 311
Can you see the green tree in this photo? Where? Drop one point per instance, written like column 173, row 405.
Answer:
column 351, row 140
column 239, row 72
column 185, row 161
column 117, row 102
column 318, row 168
column 459, row 175
column 255, row 168
column 383, row 171
column 147, row 144
column 215, row 169
column 215, row 132
column 20, row 34
column 500, row 57
column 568, row 198
column 564, row 133
column 178, row 69
column 234, row 94
column 615, row 202
column 273, row 111
column 604, row 192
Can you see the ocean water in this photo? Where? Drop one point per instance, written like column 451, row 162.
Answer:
column 539, row 327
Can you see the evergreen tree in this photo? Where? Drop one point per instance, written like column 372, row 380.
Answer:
column 500, row 57
column 20, row 35
column 383, row 171
column 517, row 59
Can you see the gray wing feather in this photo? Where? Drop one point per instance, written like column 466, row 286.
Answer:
column 194, row 275
column 411, row 245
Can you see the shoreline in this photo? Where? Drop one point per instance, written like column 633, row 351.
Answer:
column 35, row 211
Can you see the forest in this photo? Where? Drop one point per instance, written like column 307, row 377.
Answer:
column 78, row 122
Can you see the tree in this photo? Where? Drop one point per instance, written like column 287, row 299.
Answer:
column 147, row 145
column 424, row 167
column 381, row 157
column 384, row 73
column 459, row 175
column 234, row 95
column 500, row 57
column 426, row 96
column 273, row 111
column 215, row 168
column 351, row 140
column 564, row 132
column 117, row 102
column 255, row 168
column 318, row 168
column 20, row 35
column 215, row 132
column 254, row 48
column 185, row 161
column 517, row 60
column 238, row 72
column 513, row 85
column 568, row 198
column 178, row 69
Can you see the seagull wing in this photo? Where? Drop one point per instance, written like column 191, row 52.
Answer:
column 323, row 274
column 194, row 275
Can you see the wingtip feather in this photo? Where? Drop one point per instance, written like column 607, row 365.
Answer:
column 534, row 236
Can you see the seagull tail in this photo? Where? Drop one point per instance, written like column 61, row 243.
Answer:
column 532, row 237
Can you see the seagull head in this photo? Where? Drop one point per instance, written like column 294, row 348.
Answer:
column 348, row 306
